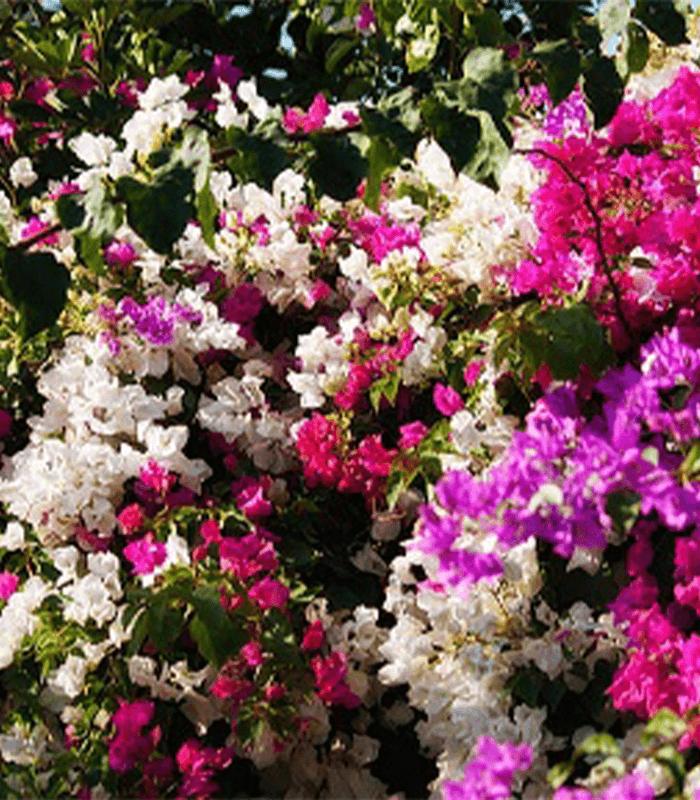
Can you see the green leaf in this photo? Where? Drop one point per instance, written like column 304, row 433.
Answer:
column 164, row 624
column 624, row 508
column 559, row 773
column 71, row 213
column 636, row 47
column 562, row 67
column 338, row 167
column 387, row 387
column 90, row 250
column 258, row 160
column 603, row 88
column 574, row 337
column 160, row 211
column 193, row 153
column 471, row 140
column 138, row 634
column 216, row 636
column 488, row 27
column 104, row 217
column 382, row 158
column 423, row 49
column 340, row 48
column 206, row 214
column 482, row 64
column 664, row 725
column 37, row 286
column 662, row 17
column 599, row 744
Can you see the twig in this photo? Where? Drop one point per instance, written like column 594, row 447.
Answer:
column 25, row 244
column 598, row 225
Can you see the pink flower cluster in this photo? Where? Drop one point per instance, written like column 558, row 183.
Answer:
column 327, row 461
column 640, row 180
column 329, row 674
column 375, row 361
column 295, row 120
column 131, row 748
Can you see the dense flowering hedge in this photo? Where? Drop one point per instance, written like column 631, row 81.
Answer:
column 287, row 478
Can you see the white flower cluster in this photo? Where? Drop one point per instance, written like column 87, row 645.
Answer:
column 242, row 414
column 141, row 357
column 482, row 229
column 179, row 684
column 94, row 434
column 17, row 619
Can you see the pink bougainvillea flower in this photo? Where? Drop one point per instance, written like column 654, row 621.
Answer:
column 269, row 593
column 366, row 18
column 412, row 434
column 8, row 584
column 447, row 400
column 8, row 128
column 472, row 371
column 36, row 226
column 145, row 554
column 130, row 746
column 131, row 519
column 120, row 254
column 314, row 637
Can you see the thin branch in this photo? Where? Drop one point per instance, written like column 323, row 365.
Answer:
column 598, row 225
column 25, row 244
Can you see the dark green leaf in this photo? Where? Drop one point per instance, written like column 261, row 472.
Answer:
column 574, row 337
column 138, row 634
column 70, row 212
column 337, row 51
column 662, row 17
column 623, row 508
column 604, row 89
column 164, row 624
column 37, row 285
column 258, row 160
column 216, row 636
column 382, row 157
column 206, row 214
column 338, row 167
column 637, row 46
column 488, row 27
column 159, row 211
column 562, row 66
column 471, row 140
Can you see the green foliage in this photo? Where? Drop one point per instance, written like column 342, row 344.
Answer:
column 338, row 165
column 663, row 18
column 36, row 284
column 562, row 64
column 573, row 337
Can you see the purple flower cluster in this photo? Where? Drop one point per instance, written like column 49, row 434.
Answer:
column 556, row 480
column 155, row 321
column 631, row 787
column 489, row 774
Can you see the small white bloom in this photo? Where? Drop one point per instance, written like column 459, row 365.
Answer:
column 22, row 173
column 93, row 150
column 248, row 92
column 13, row 538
